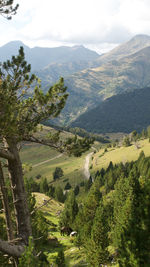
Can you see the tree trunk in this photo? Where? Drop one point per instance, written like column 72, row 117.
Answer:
column 18, row 192
column 6, row 206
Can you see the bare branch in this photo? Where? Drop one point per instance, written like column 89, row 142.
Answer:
column 44, row 204
column 42, row 141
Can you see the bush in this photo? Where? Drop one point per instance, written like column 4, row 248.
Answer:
column 57, row 173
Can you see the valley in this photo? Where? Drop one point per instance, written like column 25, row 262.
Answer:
column 92, row 181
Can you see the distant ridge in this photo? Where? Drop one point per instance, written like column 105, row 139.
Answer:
column 40, row 57
column 134, row 45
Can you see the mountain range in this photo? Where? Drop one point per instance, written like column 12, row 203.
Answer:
column 91, row 78
column 41, row 57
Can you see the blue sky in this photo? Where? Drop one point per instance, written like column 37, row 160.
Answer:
column 96, row 24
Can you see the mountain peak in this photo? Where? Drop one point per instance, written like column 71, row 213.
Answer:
column 14, row 44
column 139, row 37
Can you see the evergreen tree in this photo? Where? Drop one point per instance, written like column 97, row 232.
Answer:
column 59, row 195
column 44, row 188
column 126, row 141
column 70, row 210
column 84, row 220
column 20, row 116
column 67, row 186
column 57, row 173
column 76, row 190
column 97, row 246
column 7, row 9
column 60, row 260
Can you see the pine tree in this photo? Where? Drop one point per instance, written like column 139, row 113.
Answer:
column 20, row 116
column 7, row 9
column 97, row 245
column 59, row 195
column 70, row 210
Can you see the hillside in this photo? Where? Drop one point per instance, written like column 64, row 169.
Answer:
column 134, row 45
column 90, row 78
column 121, row 113
column 91, row 86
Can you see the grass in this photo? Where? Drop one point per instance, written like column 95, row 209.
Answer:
column 46, row 158
column 102, row 159
column 36, row 153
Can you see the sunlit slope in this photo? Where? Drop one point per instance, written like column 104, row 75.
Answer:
column 41, row 160
column 120, row 154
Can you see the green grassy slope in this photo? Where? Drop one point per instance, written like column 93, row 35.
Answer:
column 44, row 161
column 120, row 154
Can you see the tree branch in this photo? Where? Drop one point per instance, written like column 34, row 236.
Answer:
column 42, row 141
column 11, row 249
column 6, row 154
column 44, row 204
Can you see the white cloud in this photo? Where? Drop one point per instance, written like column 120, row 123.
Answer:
column 89, row 22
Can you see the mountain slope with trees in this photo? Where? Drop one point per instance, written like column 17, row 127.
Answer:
column 93, row 85
column 121, row 113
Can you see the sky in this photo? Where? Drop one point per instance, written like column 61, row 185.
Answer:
column 99, row 25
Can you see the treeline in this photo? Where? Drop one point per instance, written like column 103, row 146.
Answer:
column 78, row 131
column 113, row 222
column 58, row 192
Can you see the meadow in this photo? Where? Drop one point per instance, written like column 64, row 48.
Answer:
column 102, row 158
column 43, row 160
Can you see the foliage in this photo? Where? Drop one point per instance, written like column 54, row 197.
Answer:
column 76, row 190
column 7, row 9
column 70, row 211
column 126, row 141
column 97, row 245
column 119, row 217
column 60, row 260
column 67, row 186
column 44, row 187
column 57, row 173
column 59, row 195
column 24, row 114
column 28, row 258
column 120, row 113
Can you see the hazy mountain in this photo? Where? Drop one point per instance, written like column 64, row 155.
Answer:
column 40, row 57
column 120, row 113
column 137, row 43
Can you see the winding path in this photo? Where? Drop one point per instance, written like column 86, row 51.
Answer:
column 43, row 162
column 86, row 166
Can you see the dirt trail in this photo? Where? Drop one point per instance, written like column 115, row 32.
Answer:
column 43, row 162
column 86, row 165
